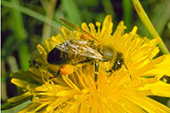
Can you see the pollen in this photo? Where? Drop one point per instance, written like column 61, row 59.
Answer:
column 67, row 69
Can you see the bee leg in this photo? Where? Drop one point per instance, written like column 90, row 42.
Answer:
column 58, row 73
column 110, row 72
column 96, row 71
column 81, row 62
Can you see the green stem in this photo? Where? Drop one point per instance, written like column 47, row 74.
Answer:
column 108, row 7
column 127, row 13
column 49, row 13
column 146, row 21
column 20, row 34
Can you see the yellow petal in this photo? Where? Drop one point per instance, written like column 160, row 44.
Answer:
column 19, row 83
column 119, row 30
column 146, row 103
column 162, row 64
column 159, row 88
column 20, row 97
column 41, row 49
column 131, row 107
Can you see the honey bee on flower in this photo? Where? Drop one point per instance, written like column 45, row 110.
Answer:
column 86, row 49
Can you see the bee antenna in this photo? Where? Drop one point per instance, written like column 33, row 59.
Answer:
column 128, row 71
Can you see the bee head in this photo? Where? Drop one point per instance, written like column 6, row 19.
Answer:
column 118, row 62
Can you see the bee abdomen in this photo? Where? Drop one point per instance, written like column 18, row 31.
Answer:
column 57, row 57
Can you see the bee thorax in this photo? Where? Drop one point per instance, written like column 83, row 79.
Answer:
column 108, row 53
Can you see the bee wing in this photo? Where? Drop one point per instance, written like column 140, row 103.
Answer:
column 76, row 27
column 78, row 48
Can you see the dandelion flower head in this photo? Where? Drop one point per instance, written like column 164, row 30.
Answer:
column 126, row 90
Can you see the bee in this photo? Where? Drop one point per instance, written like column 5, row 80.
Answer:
column 82, row 51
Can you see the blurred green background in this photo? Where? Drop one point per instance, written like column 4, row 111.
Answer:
column 26, row 23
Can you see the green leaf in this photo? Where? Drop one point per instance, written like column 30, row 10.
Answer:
column 8, row 105
column 161, row 15
column 26, row 76
column 72, row 11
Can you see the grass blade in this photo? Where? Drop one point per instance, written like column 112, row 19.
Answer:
column 72, row 11
column 33, row 14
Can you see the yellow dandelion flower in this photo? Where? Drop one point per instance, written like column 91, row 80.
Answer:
column 125, row 90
